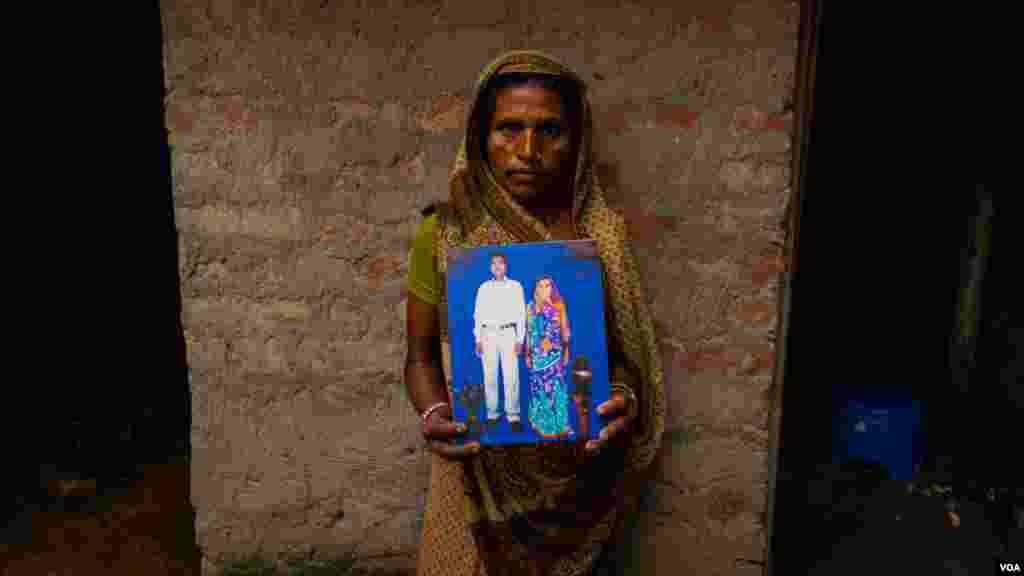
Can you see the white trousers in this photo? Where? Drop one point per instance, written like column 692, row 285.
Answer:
column 499, row 345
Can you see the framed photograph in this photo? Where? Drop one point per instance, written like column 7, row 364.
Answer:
column 529, row 356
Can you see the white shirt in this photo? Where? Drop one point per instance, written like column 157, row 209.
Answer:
column 500, row 302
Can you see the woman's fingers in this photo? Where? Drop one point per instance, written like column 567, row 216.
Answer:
column 441, row 428
column 453, row 451
column 440, row 431
column 614, row 428
column 610, row 431
column 617, row 404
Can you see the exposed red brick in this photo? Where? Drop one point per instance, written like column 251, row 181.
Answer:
column 350, row 108
column 359, row 106
column 383, row 264
column 749, row 119
column 237, row 115
column 734, row 356
column 379, row 267
column 446, row 112
column 753, row 312
column 765, row 269
column 327, row 232
column 615, row 120
column 234, row 112
column 776, row 124
column 413, row 168
column 646, row 225
column 763, row 359
column 754, row 119
column 705, row 359
column 712, row 24
column 675, row 116
column 685, row 360
column 360, row 231
column 249, row 118
column 181, row 120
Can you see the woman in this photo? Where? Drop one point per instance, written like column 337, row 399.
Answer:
column 523, row 173
column 547, row 355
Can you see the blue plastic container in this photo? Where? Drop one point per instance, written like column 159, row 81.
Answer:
column 878, row 423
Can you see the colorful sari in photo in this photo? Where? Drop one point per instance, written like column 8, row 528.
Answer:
column 547, row 334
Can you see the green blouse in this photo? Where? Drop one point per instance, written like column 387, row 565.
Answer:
column 423, row 280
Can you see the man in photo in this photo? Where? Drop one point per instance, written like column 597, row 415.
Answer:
column 499, row 330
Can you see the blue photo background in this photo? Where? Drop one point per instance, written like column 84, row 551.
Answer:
column 579, row 281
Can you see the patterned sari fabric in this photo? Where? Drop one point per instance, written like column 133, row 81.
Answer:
column 549, row 397
column 551, row 509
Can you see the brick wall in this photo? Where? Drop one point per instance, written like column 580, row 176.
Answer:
column 307, row 135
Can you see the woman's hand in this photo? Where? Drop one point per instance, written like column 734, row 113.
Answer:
column 440, row 433
column 619, row 404
column 425, row 380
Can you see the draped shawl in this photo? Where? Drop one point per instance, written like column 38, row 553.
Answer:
column 544, row 509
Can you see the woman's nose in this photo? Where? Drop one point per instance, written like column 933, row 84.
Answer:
column 530, row 145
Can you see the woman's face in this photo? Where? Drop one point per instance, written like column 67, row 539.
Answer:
column 544, row 290
column 529, row 142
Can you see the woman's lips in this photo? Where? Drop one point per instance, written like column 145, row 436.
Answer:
column 528, row 176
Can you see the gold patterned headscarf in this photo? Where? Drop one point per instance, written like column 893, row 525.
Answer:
column 509, row 489
column 487, row 214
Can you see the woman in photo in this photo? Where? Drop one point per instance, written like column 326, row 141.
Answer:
column 547, row 355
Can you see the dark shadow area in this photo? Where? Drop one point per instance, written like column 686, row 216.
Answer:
column 992, row 405
column 102, row 480
column 884, row 237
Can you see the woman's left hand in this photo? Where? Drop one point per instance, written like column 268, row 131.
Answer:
column 618, row 405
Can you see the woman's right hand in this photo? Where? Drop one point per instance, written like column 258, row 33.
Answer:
column 440, row 433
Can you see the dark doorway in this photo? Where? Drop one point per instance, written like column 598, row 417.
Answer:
column 99, row 481
column 873, row 310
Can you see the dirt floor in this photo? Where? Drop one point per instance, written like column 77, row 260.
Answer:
column 143, row 527
column 889, row 531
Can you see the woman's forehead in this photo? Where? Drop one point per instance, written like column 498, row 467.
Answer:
column 528, row 99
